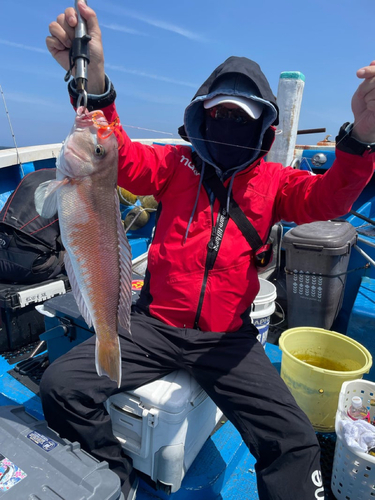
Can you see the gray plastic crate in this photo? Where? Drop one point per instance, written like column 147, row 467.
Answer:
column 317, row 257
column 36, row 463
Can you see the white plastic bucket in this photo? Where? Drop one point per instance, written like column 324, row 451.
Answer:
column 262, row 309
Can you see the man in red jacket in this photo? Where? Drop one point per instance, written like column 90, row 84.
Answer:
column 201, row 280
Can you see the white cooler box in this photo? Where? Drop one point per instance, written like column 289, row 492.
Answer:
column 163, row 425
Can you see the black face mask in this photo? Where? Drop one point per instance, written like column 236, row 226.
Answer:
column 226, row 135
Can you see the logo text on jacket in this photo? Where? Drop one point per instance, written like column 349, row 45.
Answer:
column 189, row 164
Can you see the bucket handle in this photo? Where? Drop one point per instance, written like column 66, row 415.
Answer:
column 317, row 248
column 283, row 315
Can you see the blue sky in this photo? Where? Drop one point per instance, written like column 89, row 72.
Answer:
column 158, row 53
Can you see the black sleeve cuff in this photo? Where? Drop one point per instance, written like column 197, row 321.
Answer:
column 94, row 102
column 345, row 142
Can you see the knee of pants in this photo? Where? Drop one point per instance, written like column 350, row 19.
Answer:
column 48, row 383
column 58, row 384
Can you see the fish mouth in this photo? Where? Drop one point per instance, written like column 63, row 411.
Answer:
column 73, row 153
column 83, row 118
column 75, row 164
column 75, row 146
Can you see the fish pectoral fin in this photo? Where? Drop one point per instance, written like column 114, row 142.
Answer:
column 45, row 198
column 125, row 298
column 108, row 360
column 81, row 304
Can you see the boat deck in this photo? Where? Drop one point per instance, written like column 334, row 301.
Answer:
column 223, row 469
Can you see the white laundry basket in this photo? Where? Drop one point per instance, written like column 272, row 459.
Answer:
column 353, row 472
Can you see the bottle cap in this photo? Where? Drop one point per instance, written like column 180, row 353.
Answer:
column 356, row 401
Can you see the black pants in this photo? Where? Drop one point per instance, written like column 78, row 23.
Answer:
column 234, row 371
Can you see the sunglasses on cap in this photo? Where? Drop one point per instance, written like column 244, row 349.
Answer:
column 221, row 112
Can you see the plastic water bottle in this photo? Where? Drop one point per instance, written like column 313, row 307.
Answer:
column 357, row 411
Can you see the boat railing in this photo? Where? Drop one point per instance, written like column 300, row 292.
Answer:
column 28, row 154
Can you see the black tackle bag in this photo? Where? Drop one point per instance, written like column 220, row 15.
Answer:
column 30, row 246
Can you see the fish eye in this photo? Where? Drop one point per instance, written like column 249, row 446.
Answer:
column 99, row 150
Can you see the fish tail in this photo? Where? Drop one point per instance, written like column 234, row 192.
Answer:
column 108, row 360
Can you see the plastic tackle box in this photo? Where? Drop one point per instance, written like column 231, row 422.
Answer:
column 20, row 323
column 35, row 463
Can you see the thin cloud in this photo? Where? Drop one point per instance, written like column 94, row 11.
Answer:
column 151, row 21
column 152, row 98
column 23, row 47
column 40, row 73
column 150, row 75
column 123, row 29
column 19, row 97
column 157, row 23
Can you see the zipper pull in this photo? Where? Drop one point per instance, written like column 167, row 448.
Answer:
column 211, row 243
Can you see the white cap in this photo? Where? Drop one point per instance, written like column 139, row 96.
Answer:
column 252, row 108
column 356, row 401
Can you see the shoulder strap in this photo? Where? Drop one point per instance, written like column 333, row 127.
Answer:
column 235, row 213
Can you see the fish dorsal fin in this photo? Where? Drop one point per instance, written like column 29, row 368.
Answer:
column 125, row 301
column 45, row 198
column 82, row 307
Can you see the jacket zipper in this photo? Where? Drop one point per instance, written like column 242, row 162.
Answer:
column 210, row 260
column 212, row 250
column 213, row 246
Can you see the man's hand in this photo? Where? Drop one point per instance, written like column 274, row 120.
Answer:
column 60, row 41
column 363, row 105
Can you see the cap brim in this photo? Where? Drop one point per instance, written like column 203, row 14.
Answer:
column 251, row 107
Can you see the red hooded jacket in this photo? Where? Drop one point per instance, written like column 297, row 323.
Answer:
column 177, row 284
column 186, row 284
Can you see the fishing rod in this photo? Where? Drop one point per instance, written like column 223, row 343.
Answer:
column 11, row 130
column 362, row 240
column 363, row 217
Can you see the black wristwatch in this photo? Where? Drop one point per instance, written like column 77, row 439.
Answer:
column 347, row 143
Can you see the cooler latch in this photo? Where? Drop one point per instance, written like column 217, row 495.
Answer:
column 152, row 419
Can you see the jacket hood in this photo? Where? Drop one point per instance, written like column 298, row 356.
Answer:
column 237, row 76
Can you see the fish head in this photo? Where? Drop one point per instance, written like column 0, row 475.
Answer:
column 90, row 147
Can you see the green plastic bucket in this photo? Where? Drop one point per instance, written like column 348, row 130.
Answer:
column 315, row 363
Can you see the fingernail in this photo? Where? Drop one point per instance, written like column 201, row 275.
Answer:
column 361, row 72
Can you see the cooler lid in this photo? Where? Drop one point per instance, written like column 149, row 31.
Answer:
column 171, row 393
column 331, row 236
column 64, row 306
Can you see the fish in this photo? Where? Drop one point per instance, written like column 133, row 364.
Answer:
column 98, row 258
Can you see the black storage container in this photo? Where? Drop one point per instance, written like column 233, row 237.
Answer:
column 317, row 257
column 20, row 323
